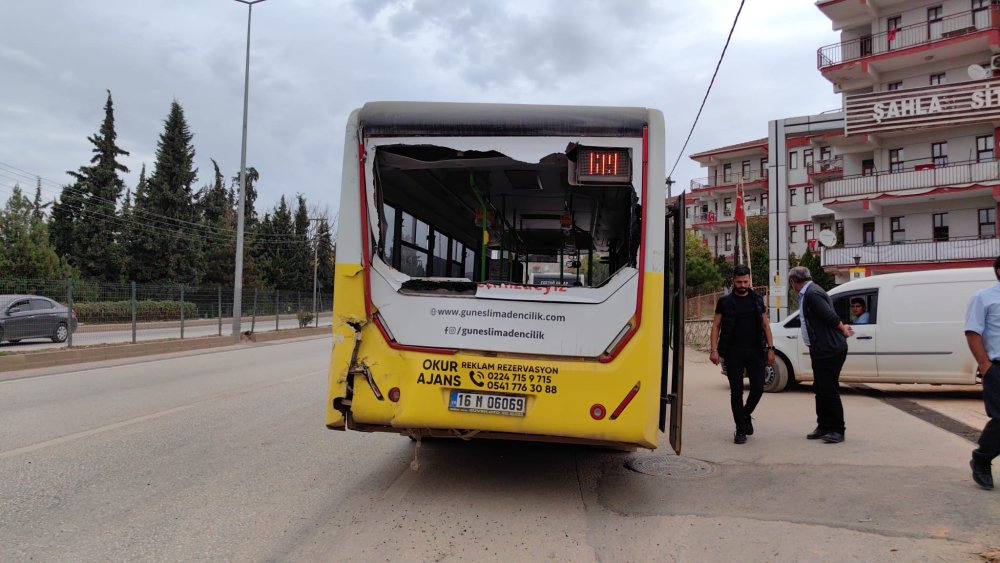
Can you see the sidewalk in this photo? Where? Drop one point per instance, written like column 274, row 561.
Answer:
column 898, row 489
column 18, row 362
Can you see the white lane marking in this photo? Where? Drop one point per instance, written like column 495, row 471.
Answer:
column 144, row 418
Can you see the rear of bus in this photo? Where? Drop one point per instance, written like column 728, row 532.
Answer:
column 447, row 323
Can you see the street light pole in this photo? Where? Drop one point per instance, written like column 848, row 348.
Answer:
column 240, row 214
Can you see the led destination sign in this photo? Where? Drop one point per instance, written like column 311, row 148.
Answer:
column 603, row 166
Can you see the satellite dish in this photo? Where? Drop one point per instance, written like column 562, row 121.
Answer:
column 977, row 72
column 827, row 238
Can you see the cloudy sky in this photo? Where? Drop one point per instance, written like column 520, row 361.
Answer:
column 313, row 61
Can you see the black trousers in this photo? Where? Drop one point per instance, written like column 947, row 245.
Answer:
column 826, row 387
column 737, row 361
column 989, row 440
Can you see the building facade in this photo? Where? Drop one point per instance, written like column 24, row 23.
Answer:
column 906, row 177
column 711, row 200
column 921, row 93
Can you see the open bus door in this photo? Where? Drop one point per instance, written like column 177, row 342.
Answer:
column 672, row 372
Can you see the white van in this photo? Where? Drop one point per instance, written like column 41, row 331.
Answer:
column 915, row 332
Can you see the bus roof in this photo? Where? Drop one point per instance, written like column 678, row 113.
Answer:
column 443, row 119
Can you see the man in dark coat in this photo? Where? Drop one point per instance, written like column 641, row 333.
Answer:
column 826, row 335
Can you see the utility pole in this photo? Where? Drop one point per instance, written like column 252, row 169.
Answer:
column 315, row 269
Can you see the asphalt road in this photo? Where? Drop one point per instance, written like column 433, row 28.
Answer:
column 223, row 456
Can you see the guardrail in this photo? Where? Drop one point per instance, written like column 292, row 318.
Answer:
column 903, row 37
column 926, row 175
column 913, row 251
column 730, row 179
column 827, row 166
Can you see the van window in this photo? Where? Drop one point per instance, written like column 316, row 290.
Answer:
column 793, row 322
column 929, row 303
column 863, row 313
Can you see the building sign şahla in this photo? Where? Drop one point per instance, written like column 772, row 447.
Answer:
column 967, row 102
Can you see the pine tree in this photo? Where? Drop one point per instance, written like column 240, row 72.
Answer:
column 219, row 219
column 36, row 211
column 131, row 224
column 97, row 229
column 279, row 265
column 25, row 248
column 65, row 214
column 301, row 249
column 249, row 213
column 167, row 248
column 325, row 256
column 253, row 267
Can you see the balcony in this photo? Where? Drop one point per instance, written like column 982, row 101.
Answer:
column 720, row 181
column 955, row 249
column 922, row 175
column 907, row 39
column 726, row 219
column 827, row 168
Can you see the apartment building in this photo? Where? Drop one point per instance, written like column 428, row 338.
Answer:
column 805, row 157
column 711, row 200
column 920, row 179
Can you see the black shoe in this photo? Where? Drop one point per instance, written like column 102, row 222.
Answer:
column 981, row 474
column 816, row 434
column 833, row 437
column 748, row 425
column 739, row 437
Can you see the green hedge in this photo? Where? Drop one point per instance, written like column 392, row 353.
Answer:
column 121, row 311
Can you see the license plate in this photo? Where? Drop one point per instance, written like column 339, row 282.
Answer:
column 488, row 403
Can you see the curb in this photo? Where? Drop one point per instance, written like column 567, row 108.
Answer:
column 55, row 358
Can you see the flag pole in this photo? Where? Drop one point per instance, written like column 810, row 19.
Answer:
column 741, row 224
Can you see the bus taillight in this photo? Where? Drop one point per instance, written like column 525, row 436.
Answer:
column 598, row 411
column 394, row 394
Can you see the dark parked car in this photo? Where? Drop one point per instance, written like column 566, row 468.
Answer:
column 32, row 316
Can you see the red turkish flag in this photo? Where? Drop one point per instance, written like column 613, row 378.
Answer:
column 741, row 214
column 892, row 33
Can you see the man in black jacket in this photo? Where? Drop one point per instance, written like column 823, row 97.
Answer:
column 741, row 336
column 826, row 335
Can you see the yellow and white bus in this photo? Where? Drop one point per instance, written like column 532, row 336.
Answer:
column 446, row 210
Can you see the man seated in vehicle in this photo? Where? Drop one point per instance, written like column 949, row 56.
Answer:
column 858, row 311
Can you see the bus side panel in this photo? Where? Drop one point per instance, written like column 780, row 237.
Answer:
column 560, row 400
column 348, row 310
column 349, row 284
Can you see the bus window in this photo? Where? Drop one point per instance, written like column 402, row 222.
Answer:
column 513, row 217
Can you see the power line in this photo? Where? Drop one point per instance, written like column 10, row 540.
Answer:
column 711, row 82
column 167, row 222
column 272, row 240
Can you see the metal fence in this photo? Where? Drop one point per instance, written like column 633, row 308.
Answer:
column 74, row 312
column 912, row 251
column 702, row 307
column 902, row 37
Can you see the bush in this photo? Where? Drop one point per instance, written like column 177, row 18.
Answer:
column 305, row 318
column 121, row 311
